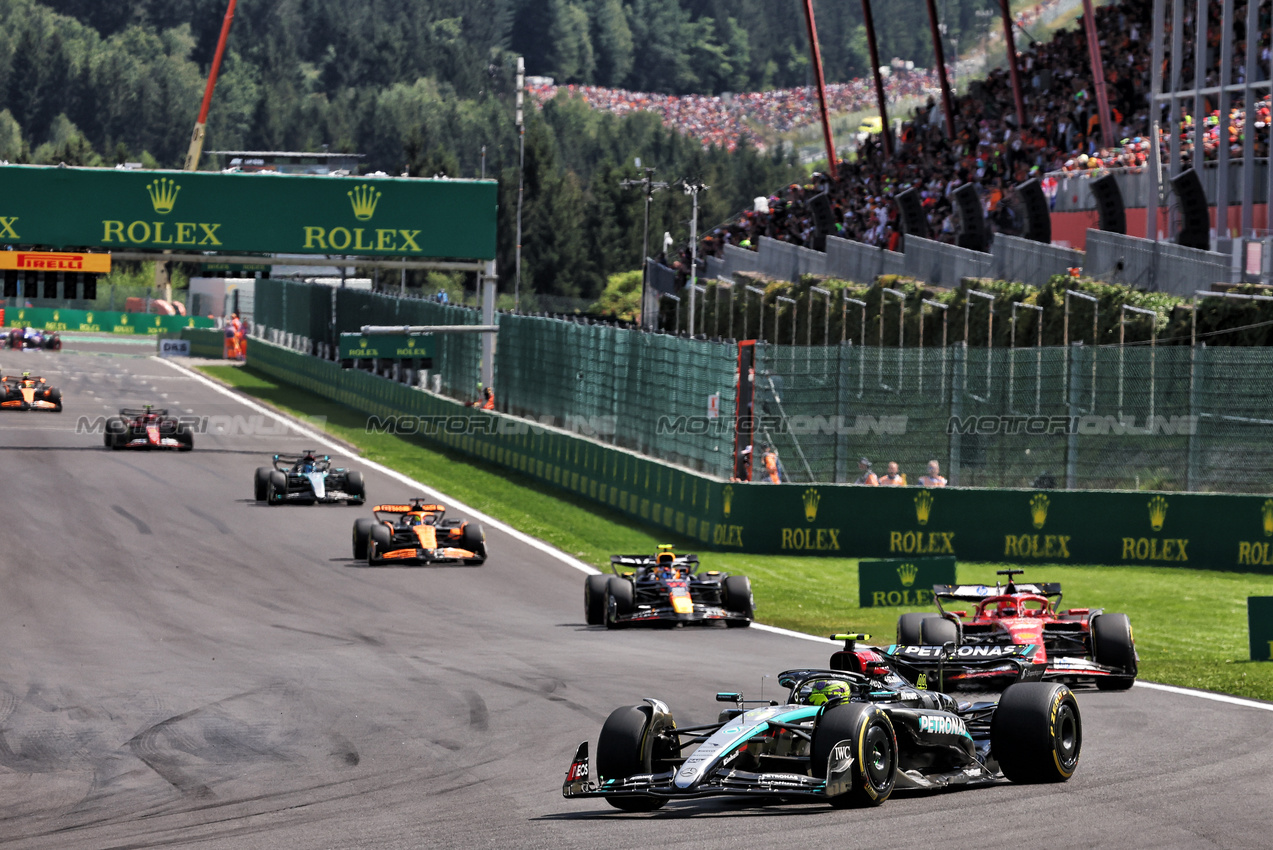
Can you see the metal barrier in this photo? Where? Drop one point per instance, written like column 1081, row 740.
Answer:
column 1153, row 266
column 938, row 264
column 1017, row 259
column 790, row 262
column 861, row 263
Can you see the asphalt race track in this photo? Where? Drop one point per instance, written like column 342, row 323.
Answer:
column 183, row 667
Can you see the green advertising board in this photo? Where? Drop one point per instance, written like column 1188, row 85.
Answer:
column 250, row 213
column 101, row 321
column 891, row 582
column 386, row 346
column 1259, row 614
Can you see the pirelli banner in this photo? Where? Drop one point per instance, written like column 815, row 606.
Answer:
column 251, row 213
column 1008, row 526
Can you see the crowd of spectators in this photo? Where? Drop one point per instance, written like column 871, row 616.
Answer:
column 728, row 119
column 1061, row 137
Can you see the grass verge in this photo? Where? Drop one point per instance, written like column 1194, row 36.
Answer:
column 1190, row 625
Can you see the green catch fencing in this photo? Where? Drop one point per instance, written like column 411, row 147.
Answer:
column 623, row 387
column 1134, row 417
column 1019, row 526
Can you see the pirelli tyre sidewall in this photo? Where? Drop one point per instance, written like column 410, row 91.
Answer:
column 594, row 599
column 1036, row 734
column 874, row 751
column 620, row 600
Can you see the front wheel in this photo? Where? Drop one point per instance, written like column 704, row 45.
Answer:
column 362, row 528
column 1036, row 733
column 739, row 601
column 620, row 599
column 355, row 489
column 871, row 754
column 185, row 438
column 1113, row 645
column 594, row 599
column 261, row 485
column 379, row 538
column 473, row 538
column 630, row 745
column 276, row 488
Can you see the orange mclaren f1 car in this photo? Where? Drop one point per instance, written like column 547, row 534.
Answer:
column 29, row 393
column 417, row 533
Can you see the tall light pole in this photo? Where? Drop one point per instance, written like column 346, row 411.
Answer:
column 650, row 186
column 692, row 189
column 521, row 171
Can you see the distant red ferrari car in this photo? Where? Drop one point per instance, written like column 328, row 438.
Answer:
column 148, row 428
column 1079, row 645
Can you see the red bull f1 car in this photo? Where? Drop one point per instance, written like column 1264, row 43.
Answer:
column 308, row 478
column 25, row 338
column 148, row 427
column 1078, row 645
column 665, row 588
column 29, row 393
column 843, row 736
column 417, row 533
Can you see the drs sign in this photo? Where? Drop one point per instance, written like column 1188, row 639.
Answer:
column 894, row 582
column 174, row 348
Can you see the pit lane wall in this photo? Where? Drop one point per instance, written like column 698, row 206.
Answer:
column 1216, row 531
column 101, row 321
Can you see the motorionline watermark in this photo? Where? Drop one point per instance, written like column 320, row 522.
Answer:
column 1089, row 425
column 223, row 425
column 799, row 425
column 479, row 425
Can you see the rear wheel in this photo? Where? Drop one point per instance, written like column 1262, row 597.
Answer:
column 362, row 527
column 594, row 599
column 938, row 631
column 473, row 538
column 1112, row 645
column 629, row 745
column 620, row 599
column 262, row 482
column 738, row 600
column 873, row 749
column 379, row 538
column 1036, row 733
column 908, row 629
column 355, row 488
column 276, row 488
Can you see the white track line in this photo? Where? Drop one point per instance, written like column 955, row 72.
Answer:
column 547, row 549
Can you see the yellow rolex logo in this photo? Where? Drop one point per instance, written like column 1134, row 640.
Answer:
column 1157, row 512
column 163, row 194
column 364, row 199
column 362, row 343
column 1039, row 509
column 907, row 573
column 55, row 313
column 923, row 506
column 411, row 342
column 811, row 499
column 729, row 499
column 1268, row 517
column 89, row 318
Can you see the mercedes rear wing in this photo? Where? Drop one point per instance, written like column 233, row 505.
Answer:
column 934, row 666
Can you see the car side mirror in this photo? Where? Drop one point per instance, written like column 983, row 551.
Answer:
column 728, row 697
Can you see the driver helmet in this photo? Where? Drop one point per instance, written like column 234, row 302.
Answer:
column 822, row 691
column 413, row 519
column 1008, row 609
column 307, row 463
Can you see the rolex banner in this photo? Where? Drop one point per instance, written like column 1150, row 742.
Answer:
column 902, row 581
column 125, row 210
column 100, row 321
column 1259, row 611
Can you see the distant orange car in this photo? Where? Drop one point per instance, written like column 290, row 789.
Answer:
column 29, row 393
column 418, row 533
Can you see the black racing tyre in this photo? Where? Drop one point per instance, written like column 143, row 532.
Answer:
column 1036, row 733
column 362, row 528
column 355, row 488
column 55, row 396
column 473, row 538
column 629, row 746
column 262, row 482
column 620, row 599
column 908, row 629
column 874, row 743
column 738, row 599
column 116, row 432
column 379, row 538
column 276, row 488
column 1113, row 645
column 594, row 599
column 186, row 438
column 938, row 631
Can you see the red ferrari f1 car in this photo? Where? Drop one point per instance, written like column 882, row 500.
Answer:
column 1079, row 645
column 148, row 427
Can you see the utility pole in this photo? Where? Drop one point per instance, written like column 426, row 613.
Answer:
column 521, row 171
column 692, row 189
column 650, row 186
